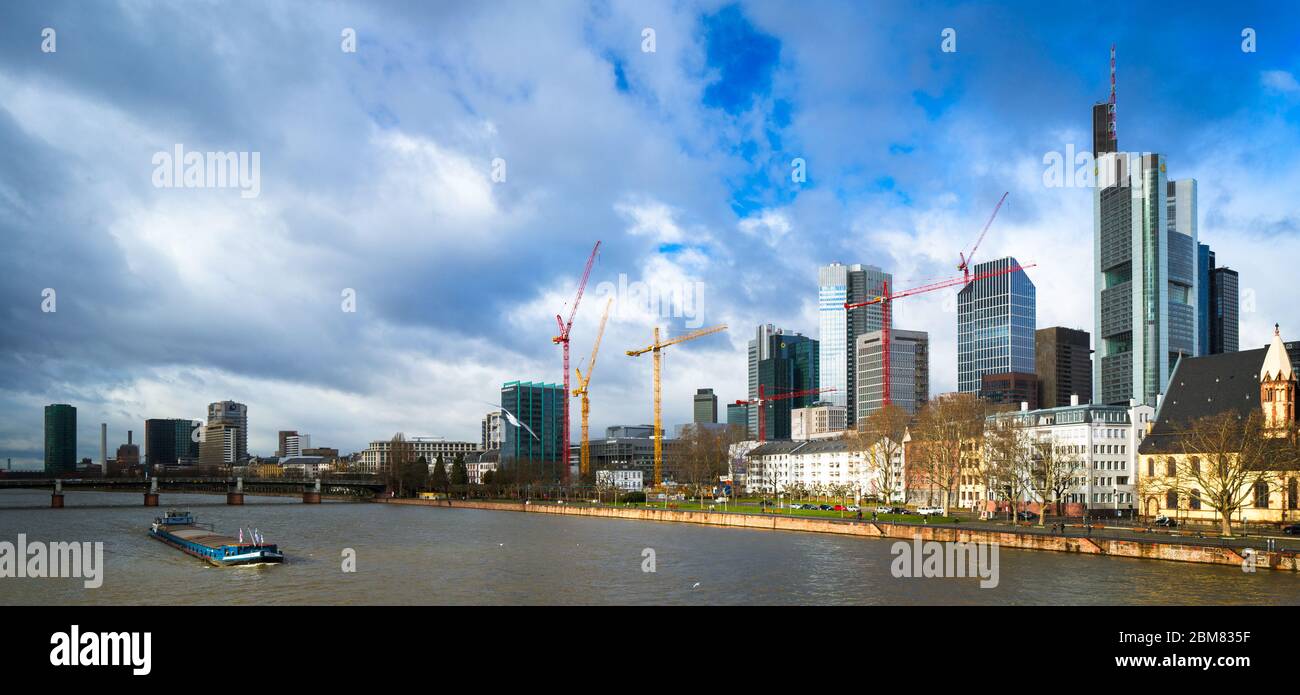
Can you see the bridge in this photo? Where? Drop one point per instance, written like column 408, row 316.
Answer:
column 233, row 487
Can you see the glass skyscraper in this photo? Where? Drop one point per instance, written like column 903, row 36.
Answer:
column 996, row 321
column 60, row 439
column 1216, row 304
column 541, row 408
column 782, row 363
column 839, row 328
column 1145, row 250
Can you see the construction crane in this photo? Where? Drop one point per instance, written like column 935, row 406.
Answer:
column 584, row 465
column 885, row 299
column 764, row 398
column 964, row 265
column 657, row 348
column 563, row 340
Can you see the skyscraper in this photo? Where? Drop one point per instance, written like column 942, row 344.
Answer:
column 491, row 434
column 1064, row 366
column 60, row 439
column 738, row 414
column 909, row 365
column 1144, row 243
column 839, row 328
column 169, row 441
column 782, row 363
column 996, row 319
column 706, row 406
column 226, row 438
column 1224, row 311
column 540, row 408
column 1217, row 304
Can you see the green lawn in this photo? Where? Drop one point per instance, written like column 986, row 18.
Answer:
column 817, row 513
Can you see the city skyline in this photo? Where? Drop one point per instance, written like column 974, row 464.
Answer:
column 244, row 303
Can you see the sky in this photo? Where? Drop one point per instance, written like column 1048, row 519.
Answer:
column 448, row 178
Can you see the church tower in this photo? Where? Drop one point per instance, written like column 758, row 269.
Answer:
column 1277, row 384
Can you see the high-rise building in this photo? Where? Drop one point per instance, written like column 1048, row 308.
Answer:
column 780, row 362
column 1224, row 311
column 1010, row 388
column 491, row 434
column 838, row 328
column 706, row 406
column 282, row 436
column 295, row 443
column 60, row 439
column 1144, row 243
column 1063, row 362
column 539, row 407
column 170, row 441
column 818, row 421
column 909, row 366
column 226, row 420
column 1204, row 271
column 738, row 414
column 996, row 319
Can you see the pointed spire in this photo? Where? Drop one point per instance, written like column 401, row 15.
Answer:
column 1277, row 364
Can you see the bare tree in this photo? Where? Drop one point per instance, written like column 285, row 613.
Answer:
column 401, row 457
column 879, row 438
column 1008, row 462
column 1055, row 470
column 1226, row 461
column 703, row 457
column 946, row 438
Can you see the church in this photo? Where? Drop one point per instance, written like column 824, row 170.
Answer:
column 1178, row 473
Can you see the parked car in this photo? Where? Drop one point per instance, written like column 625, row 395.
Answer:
column 826, row 507
column 853, row 508
column 841, row 508
column 930, row 511
column 1026, row 516
column 901, row 510
column 1292, row 530
column 884, row 510
column 1165, row 521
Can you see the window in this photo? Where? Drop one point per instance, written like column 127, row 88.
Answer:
column 1171, row 500
column 1151, row 466
column 1195, row 501
column 1196, row 465
column 1293, row 494
column 1261, row 495
column 1171, row 468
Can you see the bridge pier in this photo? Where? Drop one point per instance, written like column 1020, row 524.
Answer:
column 236, row 496
column 151, row 497
column 56, row 497
column 312, row 496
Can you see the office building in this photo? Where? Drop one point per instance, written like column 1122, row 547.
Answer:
column 281, row 437
column 227, row 420
column 60, row 439
column 818, row 421
column 1063, row 364
column 295, row 444
column 781, row 362
column 1010, row 388
column 1144, row 243
column 540, row 408
column 738, row 414
column 491, row 433
column 996, row 319
column 706, row 406
column 1217, row 305
column 838, row 328
column 170, row 441
column 909, row 366
column 374, row 459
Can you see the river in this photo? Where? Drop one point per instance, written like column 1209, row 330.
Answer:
column 428, row 555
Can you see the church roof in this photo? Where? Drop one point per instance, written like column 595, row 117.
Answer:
column 1204, row 386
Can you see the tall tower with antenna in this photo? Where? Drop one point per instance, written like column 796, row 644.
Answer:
column 1104, row 137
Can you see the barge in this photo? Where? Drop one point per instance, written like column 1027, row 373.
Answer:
column 179, row 530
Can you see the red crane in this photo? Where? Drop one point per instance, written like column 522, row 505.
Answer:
column 563, row 340
column 964, row 265
column 764, row 398
column 886, row 298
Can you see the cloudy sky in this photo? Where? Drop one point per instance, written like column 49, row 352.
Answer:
column 377, row 177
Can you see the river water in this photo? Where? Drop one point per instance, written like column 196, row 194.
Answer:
column 429, row 555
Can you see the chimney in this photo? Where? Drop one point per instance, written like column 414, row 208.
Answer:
column 128, row 437
column 1074, row 399
column 1024, row 406
column 103, row 448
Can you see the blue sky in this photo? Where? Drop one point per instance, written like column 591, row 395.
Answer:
column 376, row 176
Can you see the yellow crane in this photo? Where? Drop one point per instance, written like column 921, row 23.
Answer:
column 581, row 392
column 656, row 347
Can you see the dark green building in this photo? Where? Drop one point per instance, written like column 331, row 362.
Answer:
column 170, row 441
column 792, row 364
column 541, row 408
column 60, row 439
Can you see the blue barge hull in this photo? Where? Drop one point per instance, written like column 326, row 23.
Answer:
column 179, row 530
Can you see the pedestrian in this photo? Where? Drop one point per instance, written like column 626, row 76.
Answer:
column 859, row 515
column 873, row 515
